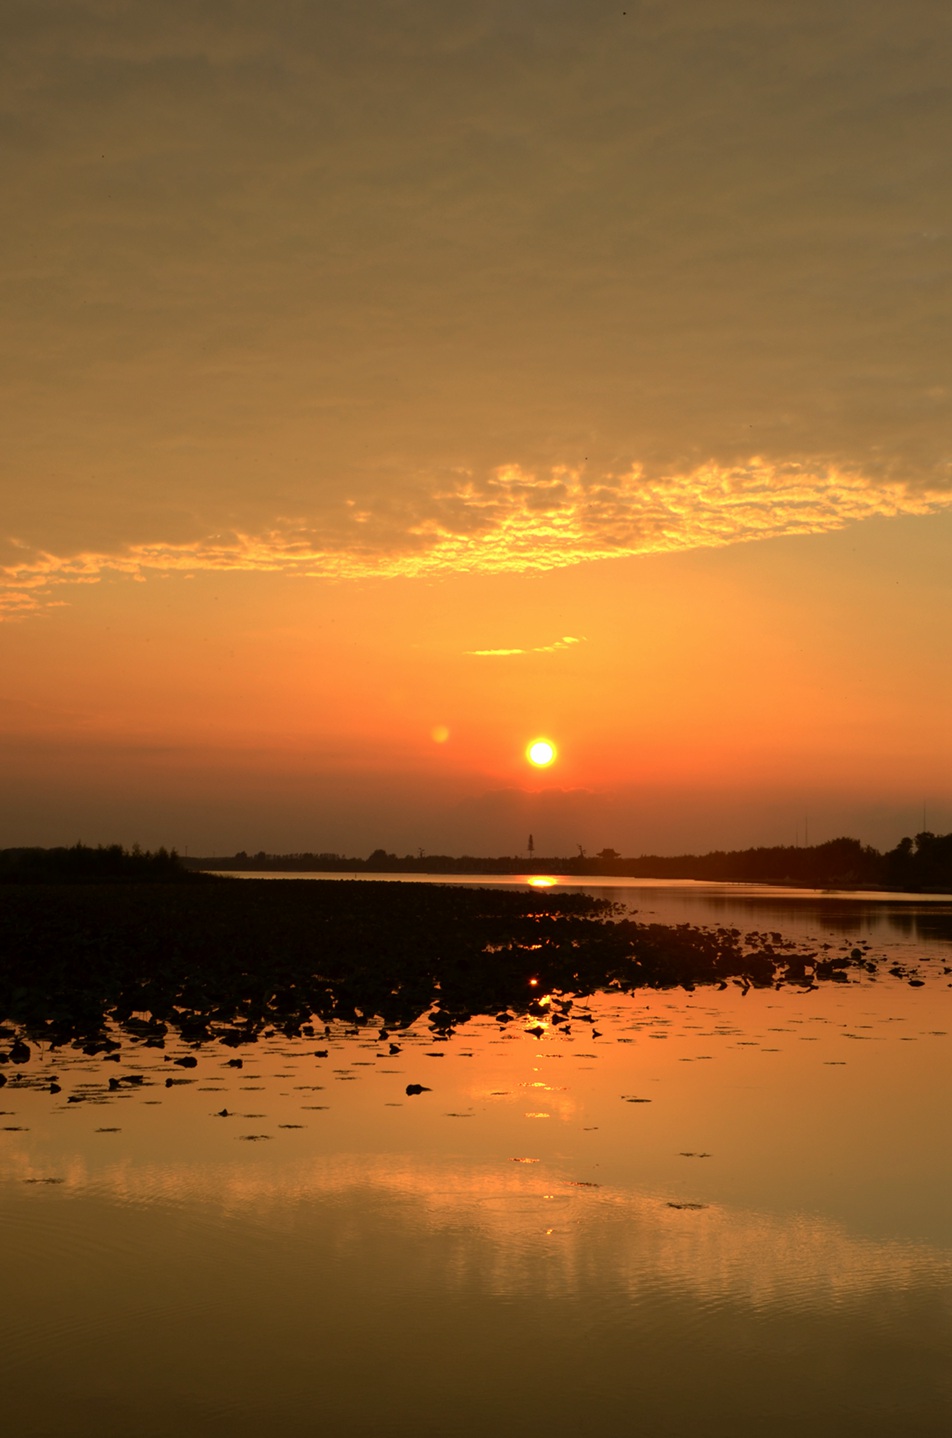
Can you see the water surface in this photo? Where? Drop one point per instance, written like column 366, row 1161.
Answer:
column 696, row 1214
column 892, row 920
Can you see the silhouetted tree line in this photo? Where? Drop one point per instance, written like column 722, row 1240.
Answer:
column 82, row 864
column 922, row 864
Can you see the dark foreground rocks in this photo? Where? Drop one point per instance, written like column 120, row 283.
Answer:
column 81, row 964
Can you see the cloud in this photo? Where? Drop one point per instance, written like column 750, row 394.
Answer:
column 322, row 250
column 508, row 521
column 565, row 642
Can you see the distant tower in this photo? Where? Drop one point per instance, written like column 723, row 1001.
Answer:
column 531, row 846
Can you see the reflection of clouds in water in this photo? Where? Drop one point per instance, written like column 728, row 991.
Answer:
column 526, row 1232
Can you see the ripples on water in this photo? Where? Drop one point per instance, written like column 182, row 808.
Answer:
column 707, row 1214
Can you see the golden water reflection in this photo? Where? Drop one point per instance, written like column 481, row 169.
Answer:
column 737, row 1207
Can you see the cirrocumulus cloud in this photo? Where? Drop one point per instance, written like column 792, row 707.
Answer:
column 510, row 520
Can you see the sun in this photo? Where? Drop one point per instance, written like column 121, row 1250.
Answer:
column 541, row 753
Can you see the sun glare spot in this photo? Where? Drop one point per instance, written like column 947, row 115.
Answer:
column 541, row 881
column 440, row 734
column 541, row 753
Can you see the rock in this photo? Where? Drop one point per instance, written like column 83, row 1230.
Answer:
column 415, row 1088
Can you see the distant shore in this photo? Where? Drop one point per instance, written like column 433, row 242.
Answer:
column 915, row 866
column 920, row 865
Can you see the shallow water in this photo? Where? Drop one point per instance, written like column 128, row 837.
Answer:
column 893, row 921
column 703, row 1214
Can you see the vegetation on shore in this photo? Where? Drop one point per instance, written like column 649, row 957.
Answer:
column 922, row 864
column 919, row 865
column 106, row 864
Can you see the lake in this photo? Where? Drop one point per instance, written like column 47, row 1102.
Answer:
column 892, row 920
column 711, row 1213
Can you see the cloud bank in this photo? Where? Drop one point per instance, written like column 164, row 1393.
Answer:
column 509, row 521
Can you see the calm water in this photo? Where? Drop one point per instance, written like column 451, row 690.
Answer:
column 701, row 1214
column 898, row 924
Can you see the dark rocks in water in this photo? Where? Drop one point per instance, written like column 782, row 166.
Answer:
column 55, row 1088
column 100, row 1046
column 537, row 1032
column 236, row 1063
column 76, row 1098
column 916, row 983
column 113, row 1084
column 223, row 1113
column 234, row 960
column 415, row 1088
column 3, row 1079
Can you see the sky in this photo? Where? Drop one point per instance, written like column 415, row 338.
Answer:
column 388, row 386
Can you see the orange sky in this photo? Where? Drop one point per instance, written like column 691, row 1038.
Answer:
column 347, row 348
